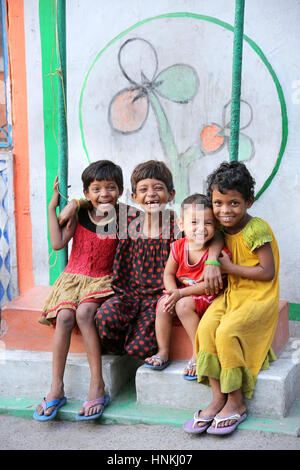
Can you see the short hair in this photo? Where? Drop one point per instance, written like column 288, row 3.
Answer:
column 152, row 169
column 231, row 175
column 102, row 170
column 196, row 199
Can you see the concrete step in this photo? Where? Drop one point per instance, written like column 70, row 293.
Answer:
column 276, row 389
column 20, row 328
column 28, row 373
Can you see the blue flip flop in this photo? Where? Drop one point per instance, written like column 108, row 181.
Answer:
column 88, row 404
column 47, row 404
column 162, row 363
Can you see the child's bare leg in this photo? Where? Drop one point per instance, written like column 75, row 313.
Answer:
column 186, row 312
column 234, row 404
column 217, row 403
column 163, row 328
column 85, row 320
column 65, row 323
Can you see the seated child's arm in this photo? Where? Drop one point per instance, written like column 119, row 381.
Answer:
column 212, row 275
column 263, row 271
column 59, row 236
column 68, row 214
column 195, row 289
column 170, row 284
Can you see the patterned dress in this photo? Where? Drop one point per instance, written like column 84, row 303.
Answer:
column 126, row 321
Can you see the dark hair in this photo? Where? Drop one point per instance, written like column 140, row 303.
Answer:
column 196, row 199
column 152, row 169
column 231, row 175
column 102, row 170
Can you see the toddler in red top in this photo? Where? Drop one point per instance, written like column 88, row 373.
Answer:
column 184, row 293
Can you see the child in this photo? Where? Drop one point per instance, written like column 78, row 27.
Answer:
column 126, row 322
column 83, row 285
column 234, row 336
column 185, row 292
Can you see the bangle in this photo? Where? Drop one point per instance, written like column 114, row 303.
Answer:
column 78, row 204
column 215, row 263
column 180, row 293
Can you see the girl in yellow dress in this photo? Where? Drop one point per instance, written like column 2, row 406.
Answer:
column 233, row 340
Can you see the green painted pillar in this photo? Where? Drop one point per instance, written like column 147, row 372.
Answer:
column 62, row 116
column 236, row 79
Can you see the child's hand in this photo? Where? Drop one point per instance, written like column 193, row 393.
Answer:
column 174, row 296
column 55, row 198
column 226, row 263
column 68, row 214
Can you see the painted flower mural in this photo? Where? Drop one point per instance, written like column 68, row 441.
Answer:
column 179, row 83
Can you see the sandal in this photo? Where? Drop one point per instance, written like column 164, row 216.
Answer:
column 190, row 366
column 192, row 427
column 226, row 429
column 163, row 363
column 47, row 404
column 89, row 404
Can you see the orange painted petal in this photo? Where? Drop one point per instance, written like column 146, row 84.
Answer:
column 210, row 141
column 127, row 115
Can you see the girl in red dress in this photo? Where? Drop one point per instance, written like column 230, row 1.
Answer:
column 84, row 284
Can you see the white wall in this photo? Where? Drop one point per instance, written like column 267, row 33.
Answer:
column 95, row 33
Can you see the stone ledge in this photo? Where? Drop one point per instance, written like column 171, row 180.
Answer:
column 28, row 373
column 276, row 389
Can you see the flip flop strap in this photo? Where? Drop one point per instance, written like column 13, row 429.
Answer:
column 89, row 403
column 198, row 419
column 47, row 404
column 191, row 364
column 161, row 360
column 218, row 420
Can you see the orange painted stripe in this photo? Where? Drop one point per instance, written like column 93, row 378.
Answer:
column 16, row 48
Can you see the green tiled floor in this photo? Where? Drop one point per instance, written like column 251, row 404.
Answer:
column 124, row 409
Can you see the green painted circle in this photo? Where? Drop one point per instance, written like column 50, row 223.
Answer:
column 254, row 46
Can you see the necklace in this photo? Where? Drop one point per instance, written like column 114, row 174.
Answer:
column 101, row 222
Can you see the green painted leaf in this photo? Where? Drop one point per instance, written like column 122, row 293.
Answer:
column 246, row 148
column 178, row 83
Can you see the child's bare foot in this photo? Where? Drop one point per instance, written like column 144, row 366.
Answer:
column 158, row 359
column 190, row 369
column 213, row 408
column 230, row 409
column 95, row 392
column 56, row 393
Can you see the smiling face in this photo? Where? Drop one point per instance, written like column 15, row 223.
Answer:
column 152, row 195
column 230, row 209
column 198, row 224
column 103, row 195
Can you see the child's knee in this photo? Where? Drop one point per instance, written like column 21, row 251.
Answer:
column 184, row 307
column 223, row 335
column 85, row 313
column 65, row 319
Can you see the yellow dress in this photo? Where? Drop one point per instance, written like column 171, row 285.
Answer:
column 234, row 337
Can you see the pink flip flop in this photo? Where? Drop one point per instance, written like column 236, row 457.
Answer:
column 88, row 404
column 226, row 429
column 192, row 427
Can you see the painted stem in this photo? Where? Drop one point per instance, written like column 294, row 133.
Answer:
column 236, row 79
column 62, row 117
column 179, row 172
